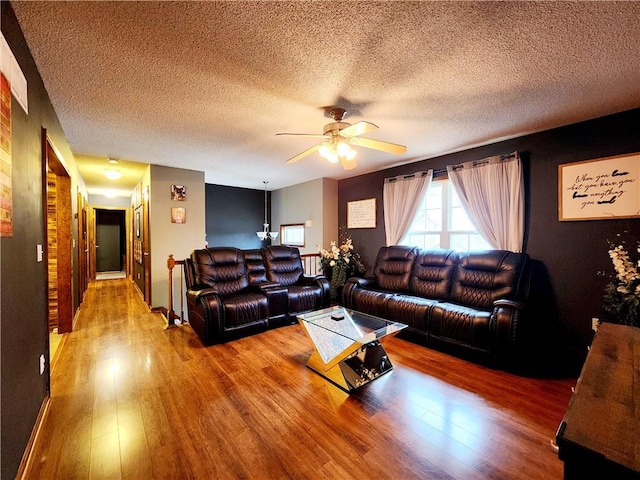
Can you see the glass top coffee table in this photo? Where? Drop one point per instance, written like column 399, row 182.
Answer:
column 347, row 345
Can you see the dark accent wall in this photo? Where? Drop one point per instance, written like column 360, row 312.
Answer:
column 234, row 215
column 23, row 287
column 569, row 256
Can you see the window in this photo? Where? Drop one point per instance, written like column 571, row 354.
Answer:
column 441, row 222
column 292, row 235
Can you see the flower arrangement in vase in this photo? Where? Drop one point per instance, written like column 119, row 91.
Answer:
column 622, row 295
column 338, row 263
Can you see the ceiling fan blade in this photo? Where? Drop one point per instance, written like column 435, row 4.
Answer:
column 300, row 156
column 359, row 128
column 348, row 164
column 379, row 145
column 312, row 135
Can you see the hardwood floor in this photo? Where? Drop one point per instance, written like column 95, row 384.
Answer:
column 133, row 400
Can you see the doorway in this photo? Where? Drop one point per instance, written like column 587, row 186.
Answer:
column 58, row 252
column 111, row 243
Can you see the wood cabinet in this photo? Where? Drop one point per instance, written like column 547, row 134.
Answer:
column 599, row 436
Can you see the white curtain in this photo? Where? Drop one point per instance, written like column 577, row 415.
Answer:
column 492, row 193
column 401, row 198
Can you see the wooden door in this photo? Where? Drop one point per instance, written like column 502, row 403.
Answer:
column 83, row 248
column 58, row 252
column 146, row 247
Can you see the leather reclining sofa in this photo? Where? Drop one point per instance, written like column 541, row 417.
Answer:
column 472, row 304
column 233, row 293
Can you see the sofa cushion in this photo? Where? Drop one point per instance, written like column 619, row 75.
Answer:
column 244, row 308
column 221, row 268
column 283, row 264
column 255, row 266
column 393, row 267
column 432, row 273
column 460, row 324
column 410, row 310
column 303, row 298
column 373, row 302
column 483, row 277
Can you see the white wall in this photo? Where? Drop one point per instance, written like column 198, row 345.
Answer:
column 103, row 201
column 173, row 238
column 317, row 201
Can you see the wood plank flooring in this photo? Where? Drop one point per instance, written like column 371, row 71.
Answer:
column 133, row 400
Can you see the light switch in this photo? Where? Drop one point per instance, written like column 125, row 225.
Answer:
column 40, row 252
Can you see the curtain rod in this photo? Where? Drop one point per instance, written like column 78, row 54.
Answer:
column 441, row 171
column 406, row 177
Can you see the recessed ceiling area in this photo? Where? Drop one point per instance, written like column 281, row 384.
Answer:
column 207, row 85
column 95, row 170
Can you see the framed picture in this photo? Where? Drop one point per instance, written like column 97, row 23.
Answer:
column 604, row 188
column 361, row 213
column 178, row 193
column 137, row 222
column 178, row 215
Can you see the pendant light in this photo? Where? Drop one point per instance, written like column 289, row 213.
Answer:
column 265, row 234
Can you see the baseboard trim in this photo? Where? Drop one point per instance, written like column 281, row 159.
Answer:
column 27, row 457
column 53, row 361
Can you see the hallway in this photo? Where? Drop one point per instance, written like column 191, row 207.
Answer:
column 110, row 370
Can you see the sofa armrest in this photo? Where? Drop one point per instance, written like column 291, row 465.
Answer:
column 507, row 319
column 366, row 282
column 195, row 294
column 310, row 279
column 506, row 303
column 355, row 283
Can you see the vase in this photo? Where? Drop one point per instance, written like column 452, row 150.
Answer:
column 337, row 279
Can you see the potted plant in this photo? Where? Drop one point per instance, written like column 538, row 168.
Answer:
column 340, row 262
column 622, row 295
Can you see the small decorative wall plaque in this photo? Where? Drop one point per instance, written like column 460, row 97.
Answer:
column 178, row 193
column 178, row 215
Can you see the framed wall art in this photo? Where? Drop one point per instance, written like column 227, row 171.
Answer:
column 138, row 222
column 178, row 193
column 178, row 215
column 361, row 213
column 604, row 188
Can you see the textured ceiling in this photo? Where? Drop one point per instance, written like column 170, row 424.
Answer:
column 207, row 85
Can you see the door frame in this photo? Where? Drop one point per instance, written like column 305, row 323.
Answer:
column 92, row 239
column 53, row 161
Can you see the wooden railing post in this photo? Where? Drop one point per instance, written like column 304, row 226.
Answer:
column 171, row 315
column 170, row 312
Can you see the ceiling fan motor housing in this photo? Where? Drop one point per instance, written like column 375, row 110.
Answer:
column 334, row 127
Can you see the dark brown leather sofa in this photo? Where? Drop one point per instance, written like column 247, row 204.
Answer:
column 470, row 303
column 232, row 293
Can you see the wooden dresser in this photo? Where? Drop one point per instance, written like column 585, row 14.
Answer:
column 599, row 436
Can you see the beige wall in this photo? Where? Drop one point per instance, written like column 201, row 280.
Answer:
column 166, row 237
column 317, row 201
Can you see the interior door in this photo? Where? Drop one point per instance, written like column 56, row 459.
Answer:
column 108, row 255
column 110, row 239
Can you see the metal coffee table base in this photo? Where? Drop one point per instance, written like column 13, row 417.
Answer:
column 358, row 367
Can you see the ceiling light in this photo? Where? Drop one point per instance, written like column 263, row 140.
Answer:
column 112, row 174
column 265, row 234
column 337, row 151
column 327, row 152
column 113, row 161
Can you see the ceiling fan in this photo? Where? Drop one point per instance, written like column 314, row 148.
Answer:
column 339, row 137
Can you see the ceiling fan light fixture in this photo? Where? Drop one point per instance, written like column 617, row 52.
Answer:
column 328, row 152
column 343, row 149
